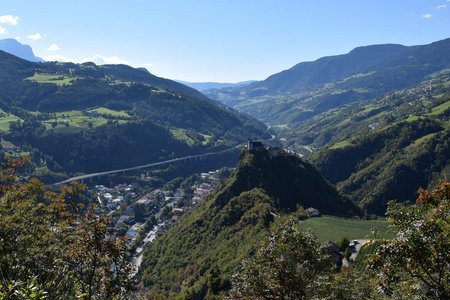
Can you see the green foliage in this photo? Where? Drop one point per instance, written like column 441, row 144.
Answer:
column 343, row 243
column 23, row 290
column 347, row 253
column 52, row 78
column 388, row 164
column 6, row 119
column 365, row 254
column 288, row 265
column 49, row 249
column 173, row 184
column 351, row 285
column 291, row 264
column 198, row 254
column 440, row 108
column 416, row 263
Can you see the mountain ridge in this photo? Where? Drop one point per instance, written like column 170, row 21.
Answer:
column 310, row 88
column 18, row 49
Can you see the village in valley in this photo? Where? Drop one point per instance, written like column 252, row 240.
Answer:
column 142, row 213
column 145, row 208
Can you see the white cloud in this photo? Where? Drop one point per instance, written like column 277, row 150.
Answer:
column 441, row 6
column 427, row 16
column 53, row 47
column 103, row 60
column 8, row 19
column 148, row 65
column 2, row 30
column 36, row 36
column 18, row 38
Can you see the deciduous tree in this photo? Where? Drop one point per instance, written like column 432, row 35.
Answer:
column 51, row 247
column 416, row 263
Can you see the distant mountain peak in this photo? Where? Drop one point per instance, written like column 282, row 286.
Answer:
column 15, row 48
column 203, row 86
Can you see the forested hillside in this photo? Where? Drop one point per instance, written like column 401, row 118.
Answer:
column 389, row 164
column 84, row 117
column 200, row 253
column 384, row 150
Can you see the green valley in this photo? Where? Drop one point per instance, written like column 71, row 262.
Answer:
column 374, row 121
column 85, row 118
column 224, row 150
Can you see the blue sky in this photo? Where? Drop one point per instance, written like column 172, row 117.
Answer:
column 217, row 40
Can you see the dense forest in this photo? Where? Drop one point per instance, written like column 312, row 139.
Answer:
column 388, row 147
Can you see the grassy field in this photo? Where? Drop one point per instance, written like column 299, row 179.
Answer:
column 73, row 120
column 5, row 119
column 191, row 138
column 412, row 118
column 328, row 228
column 180, row 134
column 206, row 139
column 109, row 112
column 341, row 144
column 52, row 78
column 424, row 138
column 76, row 119
column 440, row 109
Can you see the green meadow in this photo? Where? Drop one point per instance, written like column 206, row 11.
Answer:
column 329, row 228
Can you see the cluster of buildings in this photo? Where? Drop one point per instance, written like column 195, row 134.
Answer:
column 200, row 191
column 113, row 197
column 157, row 198
column 124, row 202
column 210, row 176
